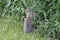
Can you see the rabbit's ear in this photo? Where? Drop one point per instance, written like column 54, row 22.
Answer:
column 33, row 14
column 27, row 10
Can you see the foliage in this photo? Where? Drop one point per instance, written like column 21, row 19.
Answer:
column 13, row 30
column 47, row 14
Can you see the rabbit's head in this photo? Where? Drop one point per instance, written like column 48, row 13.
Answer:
column 29, row 13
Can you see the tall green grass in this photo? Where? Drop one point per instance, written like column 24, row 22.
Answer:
column 47, row 12
column 13, row 30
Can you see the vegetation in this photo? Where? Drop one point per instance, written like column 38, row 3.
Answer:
column 47, row 19
column 12, row 30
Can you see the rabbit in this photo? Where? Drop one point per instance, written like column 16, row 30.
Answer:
column 28, row 21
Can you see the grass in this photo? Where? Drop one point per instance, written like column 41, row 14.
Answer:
column 13, row 30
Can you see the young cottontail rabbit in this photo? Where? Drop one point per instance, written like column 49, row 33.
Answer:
column 28, row 21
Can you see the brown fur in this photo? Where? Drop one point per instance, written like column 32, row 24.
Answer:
column 28, row 21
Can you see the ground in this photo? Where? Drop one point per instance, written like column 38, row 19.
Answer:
column 13, row 30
